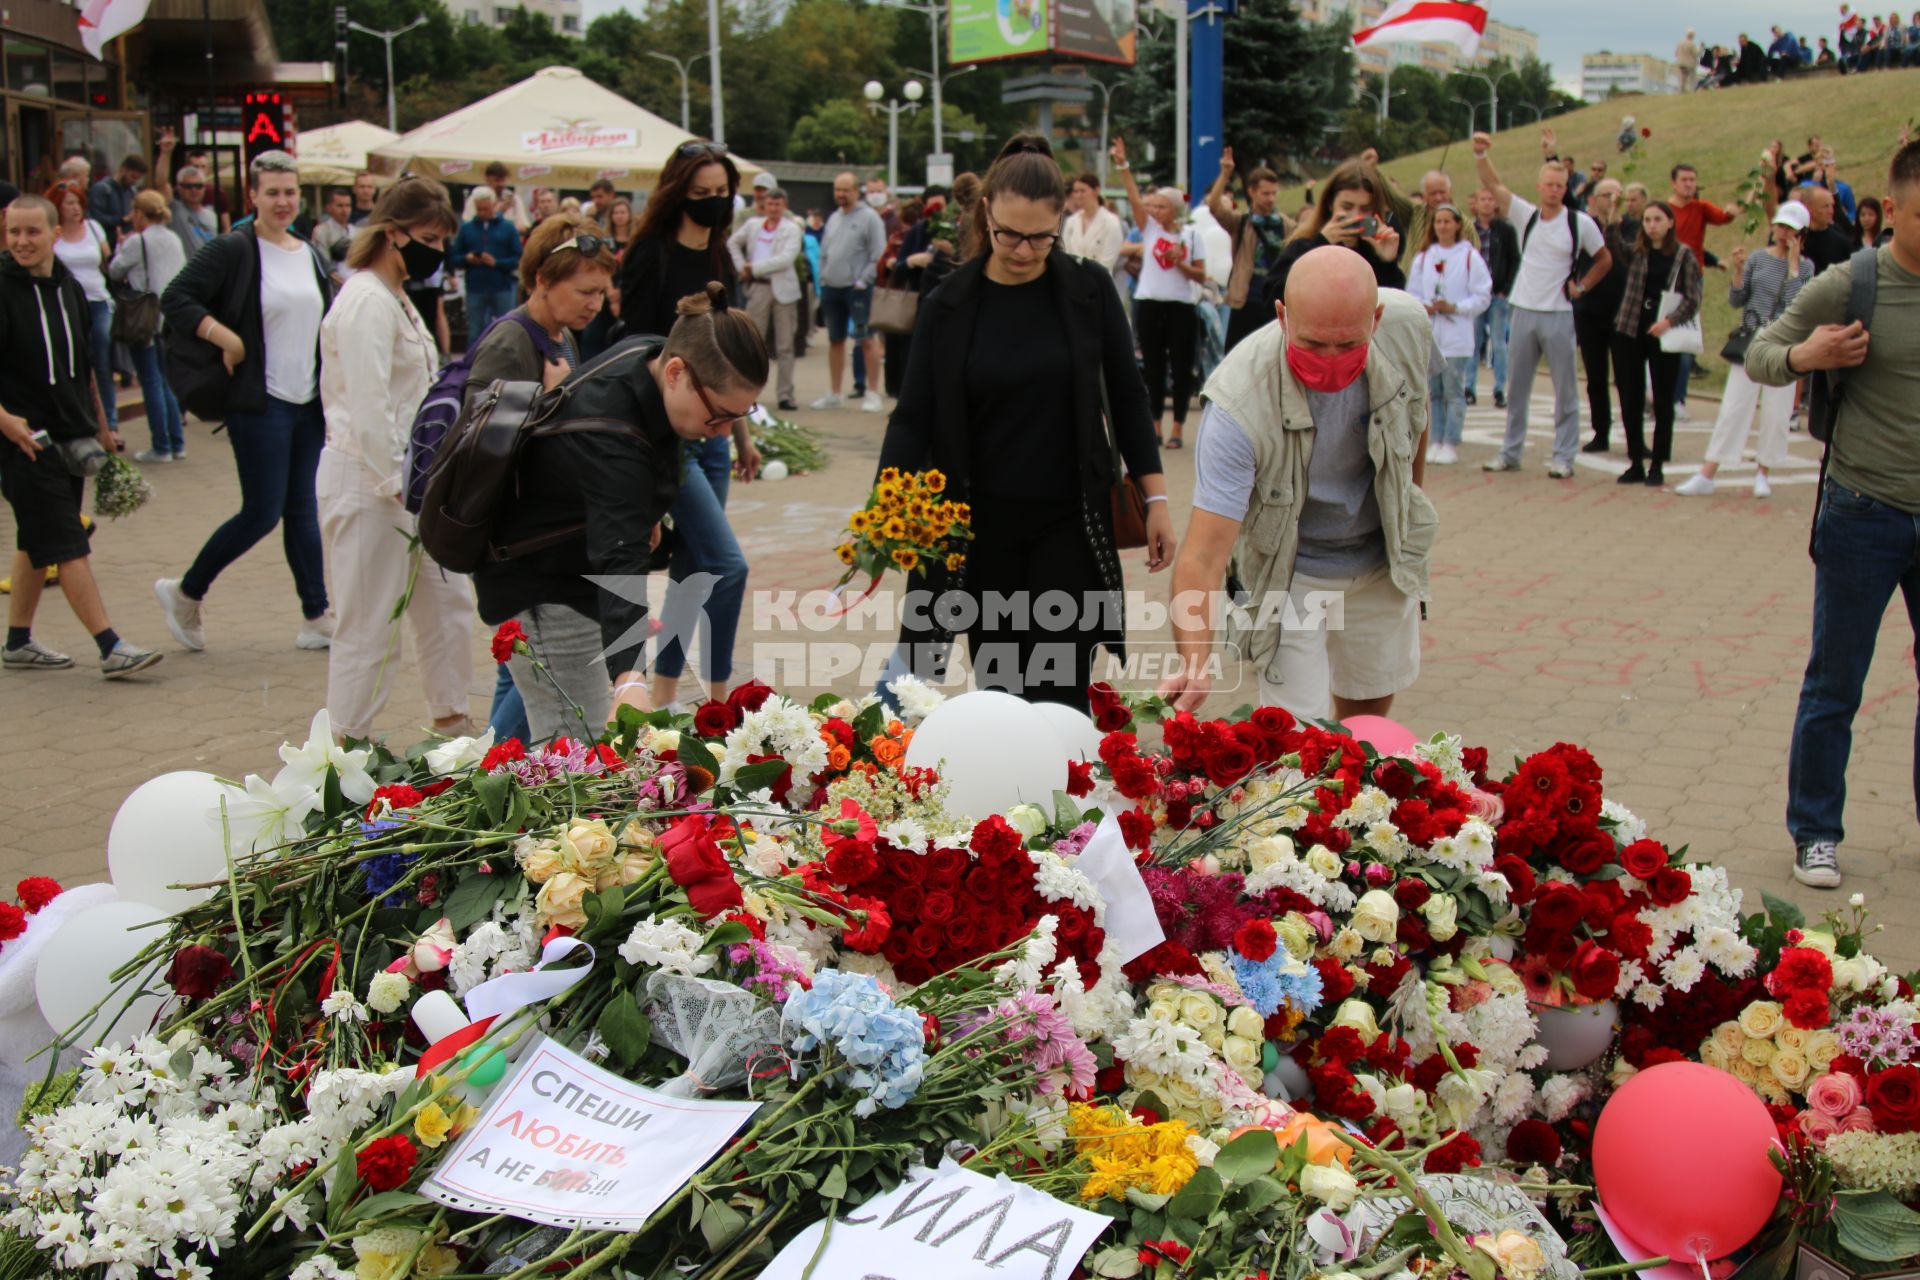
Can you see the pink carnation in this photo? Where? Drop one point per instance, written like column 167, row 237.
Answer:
column 1834, row 1095
column 1818, row 1127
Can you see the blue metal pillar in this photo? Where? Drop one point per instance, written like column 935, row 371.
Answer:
column 1206, row 117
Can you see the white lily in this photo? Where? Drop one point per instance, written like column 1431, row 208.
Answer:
column 307, row 766
column 261, row 814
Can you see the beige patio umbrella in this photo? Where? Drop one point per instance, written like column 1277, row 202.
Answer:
column 333, row 154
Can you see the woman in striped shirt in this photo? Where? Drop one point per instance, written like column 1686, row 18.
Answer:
column 1768, row 282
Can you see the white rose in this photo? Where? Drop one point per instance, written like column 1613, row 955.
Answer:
column 1324, row 863
column 1247, row 1024
column 1820, row 940
column 1376, row 915
column 1266, row 852
column 1201, row 1012
column 1443, row 916
column 660, row 741
column 1027, row 819
column 1357, row 1014
column 458, row 753
column 1241, row 1054
column 1329, row 1184
column 1163, row 1010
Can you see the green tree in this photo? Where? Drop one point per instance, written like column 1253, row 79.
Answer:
column 839, row 132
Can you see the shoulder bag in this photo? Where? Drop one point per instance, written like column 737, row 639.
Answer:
column 1128, row 500
column 1679, row 339
column 893, row 310
column 136, row 312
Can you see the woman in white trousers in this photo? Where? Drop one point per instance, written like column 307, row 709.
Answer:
column 1765, row 285
column 377, row 360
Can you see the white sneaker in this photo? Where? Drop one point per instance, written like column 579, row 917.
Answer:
column 1448, row 455
column 1680, row 413
column 315, row 633
column 153, row 455
column 1433, row 454
column 182, row 614
column 1560, row 470
column 1695, row 486
column 873, row 403
column 127, row 659
column 831, row 400
column 1762, row 489
column 1499, row 464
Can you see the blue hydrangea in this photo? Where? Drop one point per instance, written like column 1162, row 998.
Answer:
column 883, row 1045
column 1278, row 980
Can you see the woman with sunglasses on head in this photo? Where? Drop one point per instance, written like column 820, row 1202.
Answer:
column 588, row 502
column 1022, row 388
column 678, row 248
column 378, row 358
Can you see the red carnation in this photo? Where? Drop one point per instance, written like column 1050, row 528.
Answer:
column 993, row 836
column 1256, row 940
column 1893, row 1096
column 510, row 639
column 1136, row 828
column 1079, row 778
column 1336, row 984
column 1154, row 1252
column 1533, row 1142
column 396, row 795
column 1630, row 935
column 388, row 1162
column 1341, row 1044
column 715, row 719
column 1807, row 1010
column 1596, row 971
column 750, row 696
column 1462, row 1152
column 197, row 972
column 1800, row 969
column 13, row 921
column 1669, row 886
column 36, row 892
column 852, row 862
column 868, row 934
column 1643, row 858
column 503, row 752
column 1411, row 894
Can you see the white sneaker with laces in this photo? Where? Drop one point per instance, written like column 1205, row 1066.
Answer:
column 1560, row 470
column 153, row 455
column 832, row 400
column 1499, row 464
column 127, row 659
column 315, row 633
column 182, row 614
column 1761, row 487
column 873, row 403
column 1695, row 486
column 1680, row 413
column 34, row 656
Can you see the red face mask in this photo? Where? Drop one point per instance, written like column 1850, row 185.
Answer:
column 1318, row 372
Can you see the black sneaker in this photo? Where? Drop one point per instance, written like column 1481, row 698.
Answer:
column 1472, row 398
column 1635, row 474
column 789, row 406
column 1499, row 399
column 1654, row 477
column 1817, row 863
column 1594, row 446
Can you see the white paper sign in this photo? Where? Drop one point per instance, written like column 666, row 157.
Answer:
column 566, row 1144
column 950, row 1224
column 1131, row 923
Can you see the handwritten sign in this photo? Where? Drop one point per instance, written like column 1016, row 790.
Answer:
column 948, row 1224
column 567, row 1144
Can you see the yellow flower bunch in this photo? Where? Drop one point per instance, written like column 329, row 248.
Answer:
column 1122, row 1152
column 906, row 525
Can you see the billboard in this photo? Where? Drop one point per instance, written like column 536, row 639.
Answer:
column 984, row 30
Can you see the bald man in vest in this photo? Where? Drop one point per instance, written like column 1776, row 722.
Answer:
column 1307, row 500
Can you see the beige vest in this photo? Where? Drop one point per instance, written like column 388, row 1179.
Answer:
column 1254, row 387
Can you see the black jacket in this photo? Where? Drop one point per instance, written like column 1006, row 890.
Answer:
column 651, row 284
column 1500, row 244
column 47, row 376
column 223, row 281
column 1274, row 289
column 1603, row 300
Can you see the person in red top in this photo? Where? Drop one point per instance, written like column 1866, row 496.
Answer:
column 1691, row 215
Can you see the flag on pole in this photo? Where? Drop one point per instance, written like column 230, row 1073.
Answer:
column 1419, row 21
column 102, row 20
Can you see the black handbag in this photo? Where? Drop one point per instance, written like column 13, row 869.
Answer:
column 136, row 312
column 197, row 372
column 1735, row 350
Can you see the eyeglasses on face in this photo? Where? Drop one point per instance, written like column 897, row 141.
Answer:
column 1041, row 241
column 715, row 417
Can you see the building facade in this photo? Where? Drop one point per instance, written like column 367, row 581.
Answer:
column 1606, row 74
column 1500, row 41
column 563, row 14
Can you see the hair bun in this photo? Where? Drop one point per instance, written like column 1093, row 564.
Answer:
column 711, row 301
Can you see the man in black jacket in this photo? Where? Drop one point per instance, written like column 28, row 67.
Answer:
column 48, row 400
column 1594, row 310
column 1500, row 246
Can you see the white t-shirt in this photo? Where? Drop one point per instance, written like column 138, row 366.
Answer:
column 1546, row 257
column 1167, row 284
column 290, row 311
column 86, row 260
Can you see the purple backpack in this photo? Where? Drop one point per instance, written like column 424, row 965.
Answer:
column 444, row 402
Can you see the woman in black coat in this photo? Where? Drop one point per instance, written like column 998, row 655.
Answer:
column 1020, row 360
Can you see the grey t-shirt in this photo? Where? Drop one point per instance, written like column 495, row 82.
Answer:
column 1340, row 534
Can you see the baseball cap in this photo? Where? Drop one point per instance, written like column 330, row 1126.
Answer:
column 1792, row 214
column 764, row 181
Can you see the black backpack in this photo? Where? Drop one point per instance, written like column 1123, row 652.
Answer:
column 1824, row 390
column 476, row 465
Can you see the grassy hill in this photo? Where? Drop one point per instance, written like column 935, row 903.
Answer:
column 1721, row 133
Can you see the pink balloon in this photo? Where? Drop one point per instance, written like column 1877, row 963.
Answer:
column 1680, row 1161
column 1388, row 737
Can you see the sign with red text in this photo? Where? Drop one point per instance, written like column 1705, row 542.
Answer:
column 566, row 1144
column 578, row 138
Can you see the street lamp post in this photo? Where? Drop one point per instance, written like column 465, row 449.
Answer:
column 1493, row 90
column 713, row 54
column 389, row 37
column 894, row 109
column 1381, row 99
column 1106, row 106
column 683, row 66
column 1525, row 106
column 934, row 11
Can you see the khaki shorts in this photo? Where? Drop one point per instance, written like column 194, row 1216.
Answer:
column 1358, row 638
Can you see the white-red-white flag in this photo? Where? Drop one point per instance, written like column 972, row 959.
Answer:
column 102, row 20
column 1419, row 21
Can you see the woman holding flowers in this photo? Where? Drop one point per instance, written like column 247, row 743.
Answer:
column 1022, row 391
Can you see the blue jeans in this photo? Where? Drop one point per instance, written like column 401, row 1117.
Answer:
column 1447, row 398
column 163, row 411
column 484, row 306
column 100, row 339
column 1862, row 550
column 844, row 308
column 709, row 574
column 1680, row 382
column 1490, row 337
column 508, row 715
column 276, row 451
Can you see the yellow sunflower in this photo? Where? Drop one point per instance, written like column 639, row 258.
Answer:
column 907, row 558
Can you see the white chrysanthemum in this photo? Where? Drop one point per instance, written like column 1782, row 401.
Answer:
column 1024, row 970
column 1560, row 1095
column 319, row 1267
column 906, row 833
column 917, row 699
column 1444, row 753
column 1683, row 969
column 1726, row 950
column 387, row 992
column 1513, row 1098
column 1370, row 806
column 344, row 1006
column 1627, row 828
column 1057, row 881
column 490, row 949
column 1165, row 1048
column 666, row 944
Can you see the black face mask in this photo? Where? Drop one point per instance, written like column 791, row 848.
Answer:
column 421, row 259
column 710, row 211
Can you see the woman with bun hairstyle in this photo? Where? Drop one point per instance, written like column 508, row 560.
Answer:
column 377, row 360
column 1014, row 359
column 591, row 503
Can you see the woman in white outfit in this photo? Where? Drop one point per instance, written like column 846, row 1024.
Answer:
column 1451, row 278
column 1766, row 285
column 377, row 360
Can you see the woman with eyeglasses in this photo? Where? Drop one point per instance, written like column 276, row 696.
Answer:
column 378, row 359
column 588, row 502
column 679, row 248
column 1022, row 389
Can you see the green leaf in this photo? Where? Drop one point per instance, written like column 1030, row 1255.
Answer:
column 720, row 1223
column 1116, row 1262
column 1875, row 1226
column 1260, row 1194
column 820, row 704
column 625, row 1029
column 1249, row 1156
column 1784, row 914
column 492, row 790
column 753, row 777
column 472, row 899
column 730, row 934
column 1066, row 814
column 386, row 1202
column 868, row 724
column 1199, row 1198
column 834, row 1185
column 694, row 755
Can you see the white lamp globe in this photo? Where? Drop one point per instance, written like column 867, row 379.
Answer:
column 875, row 91
column 913, row 91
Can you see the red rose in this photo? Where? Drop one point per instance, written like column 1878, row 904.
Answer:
column 963, row 935
column 1110, row 714
column 715, row 719
column 1558, row 907
column 1585, row 854
column 1808, row 1010
column 1519, row 877
column 1669, row 887
column 1474, row 761
column 1079, row 778
column 1800, row 969
column 1411, row 894
column 13, row 922
column 750, row 696
column 388, row 1162
column 1256, row 940
column 939, row 907
column 510, row 639
column 1460, row 1153
column 36, row 892
column 1533, row 1142
column 1229, row 763
column 197, row 972
column 1893, row 1096
column 697, row 865
column 1596, row 971
column 1643, row 857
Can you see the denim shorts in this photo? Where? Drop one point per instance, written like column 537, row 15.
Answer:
column 845, row 310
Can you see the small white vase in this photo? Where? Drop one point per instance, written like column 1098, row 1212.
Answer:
column 1576, row 1036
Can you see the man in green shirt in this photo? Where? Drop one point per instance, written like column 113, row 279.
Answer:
column 1867, row 533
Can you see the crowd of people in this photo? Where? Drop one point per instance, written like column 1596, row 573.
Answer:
column 1862, row 42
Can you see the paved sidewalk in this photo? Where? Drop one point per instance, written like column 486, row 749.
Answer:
column 1666, row 634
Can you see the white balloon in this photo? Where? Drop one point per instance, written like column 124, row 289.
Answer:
column 167, row 833
column 774, row 470
column 1074, row 729
column 72, row 976
column 1576, row 1036
column 994, row 750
